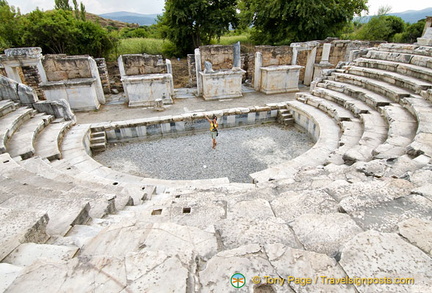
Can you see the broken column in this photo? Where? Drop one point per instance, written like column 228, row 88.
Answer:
column 324, row 63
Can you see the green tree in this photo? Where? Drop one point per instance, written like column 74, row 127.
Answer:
column 58, row 31
column 412, row 32
column 380, row 28
column 92, row 39
column 191, row 23
column 82, row 11
column 8, row 25
column 62, row 4
column 283, row 22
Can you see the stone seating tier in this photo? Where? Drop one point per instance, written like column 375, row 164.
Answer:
column 390, row 91
column 103, row 200
column 48, row 141
column 401, row 68
column 6, row 106
column 11, row 122
column 422, row 110
column 21, row 226
column 405, row 49
column 22, row 142
column 409, row 58
column 369, row 97
column 374, row 127
column 413, row 84
column 351, row 127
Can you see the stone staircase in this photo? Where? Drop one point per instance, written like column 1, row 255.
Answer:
column 98, row 141
column 285, row 117
column 358, row 204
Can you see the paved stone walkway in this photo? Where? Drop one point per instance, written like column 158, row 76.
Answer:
column 116, row 108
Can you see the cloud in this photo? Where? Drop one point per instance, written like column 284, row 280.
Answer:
column 96, row 6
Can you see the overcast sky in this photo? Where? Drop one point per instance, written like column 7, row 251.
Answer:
column 156, row 6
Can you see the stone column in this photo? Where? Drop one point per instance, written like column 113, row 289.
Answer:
column 94, row 71
column 325, row 53
column 170, row 72
column 257, row 73
column 237, row 58
column 294, row 56
column 310, row 66
column 197, row 72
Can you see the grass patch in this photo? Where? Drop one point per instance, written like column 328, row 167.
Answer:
column 139, row 46
column 230, row 40
column 156, row 46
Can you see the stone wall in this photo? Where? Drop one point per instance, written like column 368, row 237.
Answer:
column 221, row 57
column 140, row 64
column 340, row 50
column 103, row 73
column 275, row 55
column 31, row 77
column 61, row 67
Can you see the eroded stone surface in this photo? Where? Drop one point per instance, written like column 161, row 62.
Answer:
column 386, row 255
column 325, row 233
column 307, row 265
column 290, row 205
column 155, row 271
column 235, row 233
column 357, row 195
column 249, row 260
column 418, row 232
column 386, row 216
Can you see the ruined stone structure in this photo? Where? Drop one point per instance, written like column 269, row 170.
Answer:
column 224, row 79
column 24, row 66
column 75, row 79
column 352, row 214
column 146, row 79
column 273, row 72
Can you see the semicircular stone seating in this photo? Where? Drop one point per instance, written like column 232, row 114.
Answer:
column 357, row 205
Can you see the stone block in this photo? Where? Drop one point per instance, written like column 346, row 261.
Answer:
column 280, row 79
column 222, row 84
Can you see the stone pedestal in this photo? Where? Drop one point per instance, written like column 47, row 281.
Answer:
column 81, row 94
column 144, row 90
column 224, row 84
column 280, row 79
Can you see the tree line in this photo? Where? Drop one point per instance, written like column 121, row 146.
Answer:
column 191, row 23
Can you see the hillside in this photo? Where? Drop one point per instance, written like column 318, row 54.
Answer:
column 105, row 22
column 130, row 17
column 410, row 16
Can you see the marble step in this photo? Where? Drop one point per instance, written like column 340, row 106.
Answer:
column 21, row 226
column 48, row 141
column 6, row 106
column 402, row 68
column 410, row 83
column 11, row 122
column 22, row 142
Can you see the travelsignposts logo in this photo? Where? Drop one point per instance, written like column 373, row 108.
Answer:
column 238, row 280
